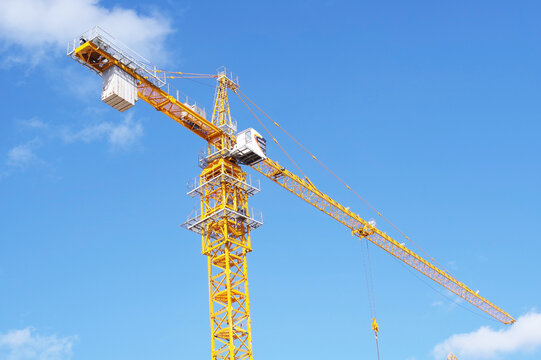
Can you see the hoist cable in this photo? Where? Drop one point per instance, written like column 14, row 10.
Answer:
column 273, row 138
column 370, row 289
column 368, row 279
column 342, row 181
column 377, row 347
column 365, row 253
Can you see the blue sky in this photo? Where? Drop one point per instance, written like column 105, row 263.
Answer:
column 428, row 109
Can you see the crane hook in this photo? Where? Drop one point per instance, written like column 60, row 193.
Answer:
column 375, row 327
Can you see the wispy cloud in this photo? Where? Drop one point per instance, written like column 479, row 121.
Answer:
column 453, row 301
column 26, row 344
column 120, row 136
column 33, row 123
column 452, row 265
column 36, row 25
column 23, row 155
column 486, row 343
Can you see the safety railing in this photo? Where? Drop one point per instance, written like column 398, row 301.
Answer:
column 119, row 51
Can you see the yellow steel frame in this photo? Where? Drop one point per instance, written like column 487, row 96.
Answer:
column 100, row 60
column 226, row 241
column 226, row 238
column 221, row 115
column 361, row 228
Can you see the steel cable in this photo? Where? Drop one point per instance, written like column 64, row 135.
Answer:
column 343, row 182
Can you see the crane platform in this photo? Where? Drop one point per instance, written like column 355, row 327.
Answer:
column 251, row 187
column 196, row 222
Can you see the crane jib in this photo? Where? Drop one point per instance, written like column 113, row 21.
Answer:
column 98, row 52
column 100, row 58
column 362, row 228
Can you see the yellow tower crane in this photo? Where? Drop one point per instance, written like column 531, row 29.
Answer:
column 225, row 220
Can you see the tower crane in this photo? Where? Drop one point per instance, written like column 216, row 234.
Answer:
column 224, row 220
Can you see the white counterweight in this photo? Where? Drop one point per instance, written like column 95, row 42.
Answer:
column 119, row 89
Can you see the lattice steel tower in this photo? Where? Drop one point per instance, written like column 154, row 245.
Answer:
column 224, row 219
column 224, row 223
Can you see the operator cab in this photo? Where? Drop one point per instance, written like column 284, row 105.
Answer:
column 250, row 148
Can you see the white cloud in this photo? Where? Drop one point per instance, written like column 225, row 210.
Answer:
column 25, row 344
column 119, row 136
column 452, row 303
column 523, row 335
column 38, row 25
column 22, row 155
column 33, row 123
column 126, row 133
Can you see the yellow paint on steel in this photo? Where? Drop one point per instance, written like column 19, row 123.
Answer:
column 221, row 115
column 100, row 60
column 361, row 228
column 226, row 241
column 226, row 238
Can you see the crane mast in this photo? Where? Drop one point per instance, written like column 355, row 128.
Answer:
column 225, row 223
column 225, row 230
column 221, row 115
column 224, row 219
